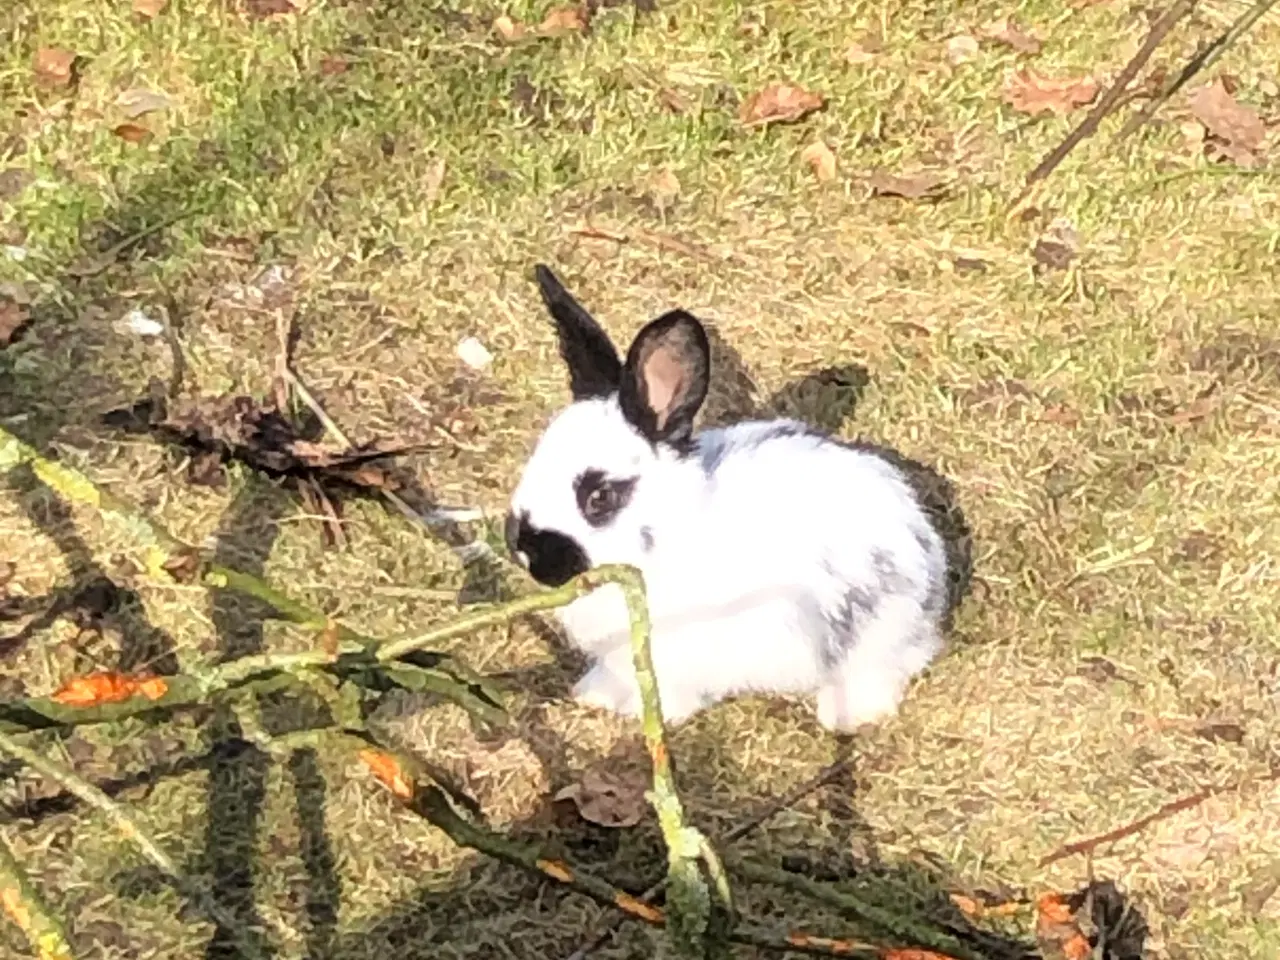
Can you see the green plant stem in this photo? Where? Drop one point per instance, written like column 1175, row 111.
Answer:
column 879, row 917
column 25, row 907
column 129, row 825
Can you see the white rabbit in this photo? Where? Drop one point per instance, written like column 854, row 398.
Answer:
column 775, row 559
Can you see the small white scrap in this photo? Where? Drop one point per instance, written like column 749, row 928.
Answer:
column 474, row 354
column 138, row 323
column 134, row 103
column 16, row 254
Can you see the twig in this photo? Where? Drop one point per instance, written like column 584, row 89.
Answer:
column 132, row 829
column 1108, row 100
column 400, row 774
column 1129, row 829
column 852, row 906
column 792, row 797
column 1201, row 61
column 26, row 908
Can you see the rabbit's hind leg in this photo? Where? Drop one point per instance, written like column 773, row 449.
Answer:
column 893, row 644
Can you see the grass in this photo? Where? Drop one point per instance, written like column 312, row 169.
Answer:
column 1118, row 510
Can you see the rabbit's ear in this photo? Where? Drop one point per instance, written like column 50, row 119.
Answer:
column 594, row 367
column 665, row 377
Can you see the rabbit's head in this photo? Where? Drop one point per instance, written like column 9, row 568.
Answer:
column 608, row 467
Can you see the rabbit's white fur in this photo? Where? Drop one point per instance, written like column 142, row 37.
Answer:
column 775, row 560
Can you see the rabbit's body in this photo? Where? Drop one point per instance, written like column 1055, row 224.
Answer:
column 775, row 559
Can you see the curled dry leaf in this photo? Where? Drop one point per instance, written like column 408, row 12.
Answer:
column 95, row 689
column 131, row 132
column 1028, row 92
column 389, row 773
column 821, row 160
column 911, row 187
column 13, row 317
column 611, row 798
column 267, row 9
column 148, row 8
column 508, row 29
column 54, row 65
column 561, row 20
column 779, row 103
column 1008, row 32
column 1237, row 128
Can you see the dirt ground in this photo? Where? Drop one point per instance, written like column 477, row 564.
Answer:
column 1098, row 379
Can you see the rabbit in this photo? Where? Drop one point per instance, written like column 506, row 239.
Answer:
column 776, row 559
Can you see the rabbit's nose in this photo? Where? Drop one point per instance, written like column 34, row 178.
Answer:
column 512, row 529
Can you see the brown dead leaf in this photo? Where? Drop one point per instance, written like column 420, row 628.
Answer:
column 779, row 103
column 612, row 793
column 1057, row 930
column 148, row 8
column 1028, row 92
column 1238, row 128
column 131, row 132
column 13, row 317
column 911, row 187
column 1058, row 246
column 333, row 66
column 54, row 66
column 1008, row 32
column 562, row 20
column 388, row 771
column 864, row 49
column 267, row 9
column 508, row 29
column 821, row 160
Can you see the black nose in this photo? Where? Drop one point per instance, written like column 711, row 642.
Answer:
column 550, row 557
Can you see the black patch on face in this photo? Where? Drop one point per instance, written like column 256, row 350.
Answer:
column 601, row 498
column 554, row 559
column 646, row 539
column 714, row 455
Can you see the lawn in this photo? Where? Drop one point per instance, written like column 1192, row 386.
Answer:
column 1097, row 375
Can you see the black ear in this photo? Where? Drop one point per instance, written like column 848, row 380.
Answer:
column 594, row 367
column 665, row 377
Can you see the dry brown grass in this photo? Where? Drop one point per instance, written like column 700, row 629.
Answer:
column 1126, row 524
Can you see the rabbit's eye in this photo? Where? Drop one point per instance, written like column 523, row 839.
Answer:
column 600, row 499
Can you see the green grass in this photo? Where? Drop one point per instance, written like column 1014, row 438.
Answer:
column 1106, row 522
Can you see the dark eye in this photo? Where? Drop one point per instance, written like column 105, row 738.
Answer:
column 601, row 498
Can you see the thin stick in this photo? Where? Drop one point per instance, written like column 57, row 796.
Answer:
column 1201, row 61
column 852, row 906
column 26, row 908
column 792, row 797
column 112, row 253
column 399, row 774
column 1109, row 99
column 132, row 829
column 1129, row 829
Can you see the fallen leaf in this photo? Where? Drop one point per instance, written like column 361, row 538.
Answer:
column 1008, row 32
column 1057, row 930
column 611, row 798
column 131, row 132
column 961, row 48
column 1058, row 246
column 779, row 103
column 266, row 9
column 333, row 66
column 387, row 769
column 1028, row 92
column 1239, row 128
column 857, row 53
column 665, row 187
column 134, row 103
column 561, row 20
column 912, row 187
column 182, row 566
column 673, row 101
column 508, row 29
column 148, row 8
column 1061, row 414
column 1214, row 732
column 820, row 160
column 913, row 953
column 13, row 317
column 54, row 66
column 95, row 689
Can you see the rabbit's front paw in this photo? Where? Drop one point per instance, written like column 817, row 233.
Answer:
column 603, row 689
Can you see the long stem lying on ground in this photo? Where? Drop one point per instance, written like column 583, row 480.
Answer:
column 25, row 907
column 132, row 829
